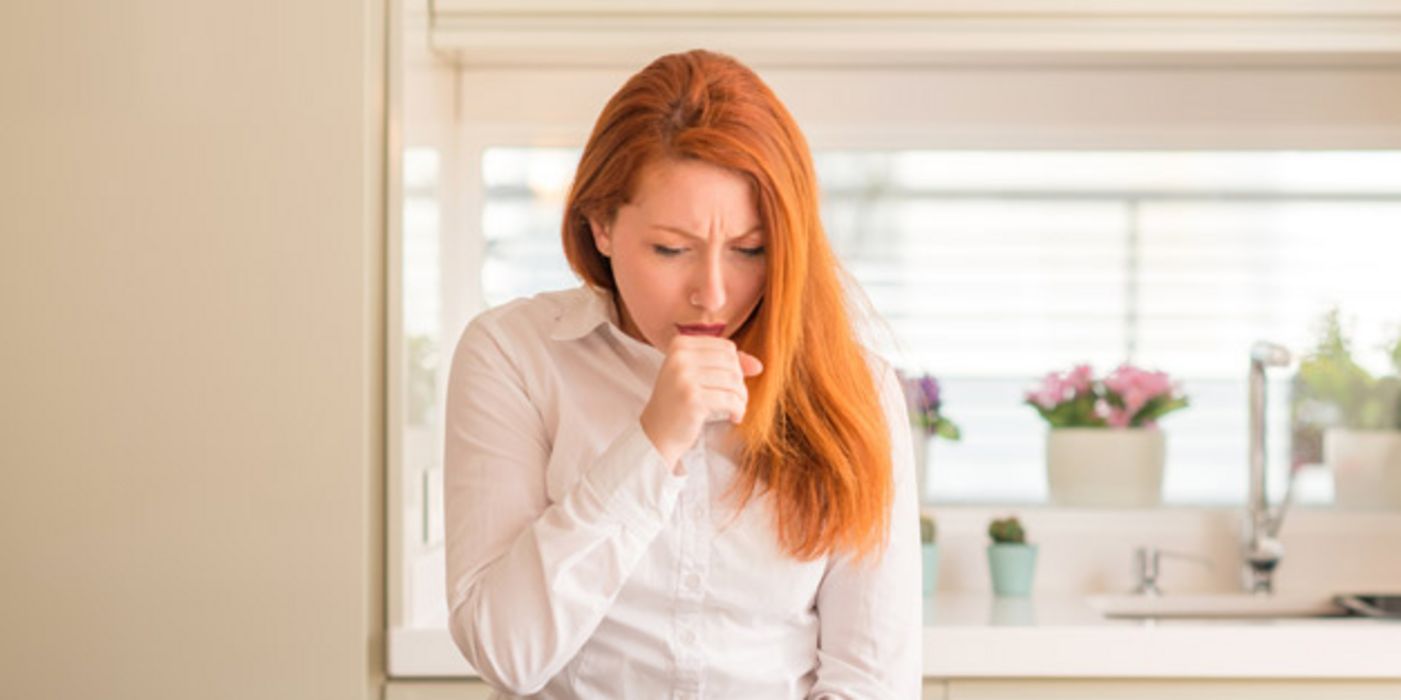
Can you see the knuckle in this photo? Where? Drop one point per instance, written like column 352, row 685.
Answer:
column 691, row 397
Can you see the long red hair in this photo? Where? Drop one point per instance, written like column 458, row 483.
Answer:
column 814, row 434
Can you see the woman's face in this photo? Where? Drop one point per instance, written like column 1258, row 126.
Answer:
column 687, row 252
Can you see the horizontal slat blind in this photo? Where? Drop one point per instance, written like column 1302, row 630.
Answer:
column 991, row 268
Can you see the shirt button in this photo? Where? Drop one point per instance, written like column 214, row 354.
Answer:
column 693, row 581
column 688, row 637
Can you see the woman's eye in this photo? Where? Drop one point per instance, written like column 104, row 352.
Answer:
column 668, row 252
column 751, row 252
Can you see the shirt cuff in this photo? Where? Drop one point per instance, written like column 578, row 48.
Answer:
column 632, row 482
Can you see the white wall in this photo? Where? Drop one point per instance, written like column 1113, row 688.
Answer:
column 191, row 367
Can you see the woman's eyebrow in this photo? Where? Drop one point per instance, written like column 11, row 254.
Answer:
column 688, row 234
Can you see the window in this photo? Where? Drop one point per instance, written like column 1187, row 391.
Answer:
column 422, row 349
column 991, row 268
column 1005, row 220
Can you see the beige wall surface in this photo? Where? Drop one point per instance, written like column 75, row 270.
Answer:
column 191, row 276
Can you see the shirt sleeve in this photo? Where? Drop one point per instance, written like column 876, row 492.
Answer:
column 870, row 640
column 529, row 581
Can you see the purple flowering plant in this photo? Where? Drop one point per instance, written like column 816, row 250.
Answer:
column 926, row 406
column 1129, row 397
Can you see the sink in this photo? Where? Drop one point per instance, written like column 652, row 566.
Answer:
column 1216, row 605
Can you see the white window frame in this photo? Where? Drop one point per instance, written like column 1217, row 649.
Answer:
column 501, row 38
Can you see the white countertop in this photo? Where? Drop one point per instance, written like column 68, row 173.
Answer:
column 980, row 636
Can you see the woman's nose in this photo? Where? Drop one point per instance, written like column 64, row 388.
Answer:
column 709, row 290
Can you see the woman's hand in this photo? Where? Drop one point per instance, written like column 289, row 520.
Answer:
column 702, row 379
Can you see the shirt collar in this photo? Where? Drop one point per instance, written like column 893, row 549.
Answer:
column 590, row 308
column 586, row 310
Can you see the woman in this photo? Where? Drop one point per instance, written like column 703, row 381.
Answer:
column 685, row 478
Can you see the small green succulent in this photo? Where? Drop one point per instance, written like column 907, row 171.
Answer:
column 928, row 531
column 1007, row 531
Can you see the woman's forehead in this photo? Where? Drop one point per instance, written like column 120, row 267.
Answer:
column 692, row 233
column 693, row 196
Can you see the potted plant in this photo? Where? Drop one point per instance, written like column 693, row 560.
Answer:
column 927, row 421
column 1011, row 561
column 1348, row 419
column 1103, row 447
column 929, row 551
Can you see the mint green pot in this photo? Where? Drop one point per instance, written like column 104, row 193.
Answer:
column 930, row 553
column 1013, row 566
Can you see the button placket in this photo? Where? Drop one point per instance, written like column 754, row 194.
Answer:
column 688, row 653
column 694, row 560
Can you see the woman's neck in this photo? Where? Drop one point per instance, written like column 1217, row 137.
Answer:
column 625, row 322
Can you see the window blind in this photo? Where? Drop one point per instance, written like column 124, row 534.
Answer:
column 991, row 268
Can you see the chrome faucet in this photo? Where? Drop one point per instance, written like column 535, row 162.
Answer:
column 1147, row 564
column 1261, row 549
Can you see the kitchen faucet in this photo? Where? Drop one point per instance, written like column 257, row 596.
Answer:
column 1147, row 564
column 1261, row 549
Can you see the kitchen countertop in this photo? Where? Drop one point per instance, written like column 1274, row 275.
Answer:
column 980, row 636
column 971, row 635
column 1050, row 636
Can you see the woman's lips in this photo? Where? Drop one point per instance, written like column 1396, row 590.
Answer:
column 716, row 330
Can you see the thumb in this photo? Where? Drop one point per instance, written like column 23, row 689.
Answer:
column 749, row 364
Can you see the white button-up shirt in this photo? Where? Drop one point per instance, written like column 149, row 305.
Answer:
column 580, row 566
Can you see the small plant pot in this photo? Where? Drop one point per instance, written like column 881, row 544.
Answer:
column 923, row 444
column 1013, row 566
column 930, row 554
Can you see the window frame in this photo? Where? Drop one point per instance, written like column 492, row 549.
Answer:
column 465, row 134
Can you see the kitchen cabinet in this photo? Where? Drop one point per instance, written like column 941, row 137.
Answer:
column 477, row 690
column 1167, row 688
column 1037, row 689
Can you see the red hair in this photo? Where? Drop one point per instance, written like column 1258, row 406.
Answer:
column 814, row 434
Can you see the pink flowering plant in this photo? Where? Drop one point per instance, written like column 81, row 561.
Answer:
column 1129, row 397
column 927, row 406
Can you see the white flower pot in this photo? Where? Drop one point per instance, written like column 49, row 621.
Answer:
column 1105, row 467
column 924, row 445
column 1366, row 467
